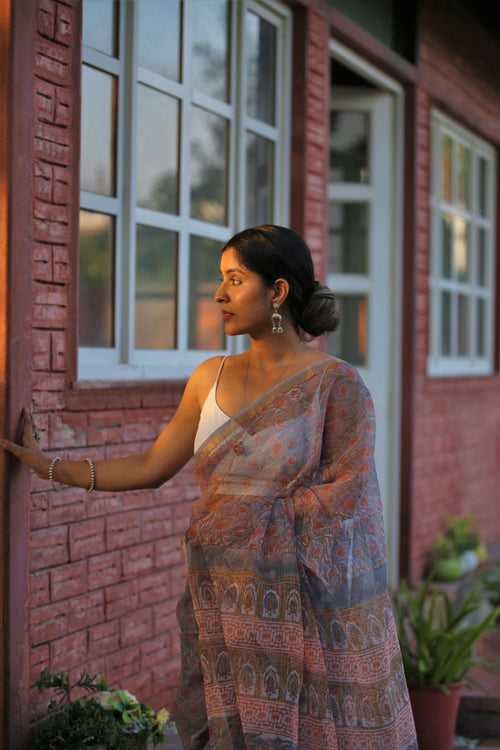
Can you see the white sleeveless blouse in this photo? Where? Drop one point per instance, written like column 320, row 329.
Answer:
column 211, row 415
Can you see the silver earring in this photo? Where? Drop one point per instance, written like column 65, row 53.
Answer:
column 276, row 319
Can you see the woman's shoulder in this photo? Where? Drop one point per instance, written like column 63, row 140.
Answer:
column 342, row 374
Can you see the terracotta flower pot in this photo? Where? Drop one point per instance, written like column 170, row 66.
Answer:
column 435, row 715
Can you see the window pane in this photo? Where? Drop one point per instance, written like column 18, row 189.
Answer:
column 464, row 160
column 259, row 180
column 157, row 151
column 350, row 340
column 463, row 325
column 97, row 280
column 98, row 140
column 445, row 323
column 348, row 232
column 156, row 289
column 482, row 256
column 349, row 147
column 159, row 37
column 447, row 244
column 209, row 166
column 461, row 249
column 206, row 327
column 447, row 169
column 481, row 327
column 482, row 188
column 261, row 68
column 100, row 25
column 210, row 59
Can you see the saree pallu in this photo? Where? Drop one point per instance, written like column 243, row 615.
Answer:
column 288, row 639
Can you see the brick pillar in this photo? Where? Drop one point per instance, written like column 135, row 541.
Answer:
column 310, row 134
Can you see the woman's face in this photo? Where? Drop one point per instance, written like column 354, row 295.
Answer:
column 242, row 293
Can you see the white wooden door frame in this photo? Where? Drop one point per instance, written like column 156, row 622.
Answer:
column 389, row 400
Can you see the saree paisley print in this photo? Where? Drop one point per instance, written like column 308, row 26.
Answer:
column 288, row 638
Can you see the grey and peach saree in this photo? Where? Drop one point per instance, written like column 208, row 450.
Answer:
column 287, row 633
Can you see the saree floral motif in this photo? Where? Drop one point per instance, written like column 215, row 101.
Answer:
column 288, row 638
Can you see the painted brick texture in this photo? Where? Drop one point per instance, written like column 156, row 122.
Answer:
column 456, row 422
column 106, row 569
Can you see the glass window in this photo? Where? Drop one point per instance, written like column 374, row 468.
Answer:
column 260, row 180
column 182, row 146
column 261, row 68
column 98, row 132
column 160, row 37
column 97, row 279
column 157, row 156
column 155, row 289
column 100, row 26
column 348, row 233
column 209, row 166
column 210, row 60
column 461, row 339
column 350, row 147
column 206, row 327
column 350, row 340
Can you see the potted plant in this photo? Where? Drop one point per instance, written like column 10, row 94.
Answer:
column 458, row 551
column 490, row 579
column 437, row 644
column 101, row 718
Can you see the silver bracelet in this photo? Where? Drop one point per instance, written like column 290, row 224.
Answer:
column 53, row 466
column 92, row 475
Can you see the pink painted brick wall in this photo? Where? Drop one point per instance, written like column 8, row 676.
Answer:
column 106, row 569
column 456, row 464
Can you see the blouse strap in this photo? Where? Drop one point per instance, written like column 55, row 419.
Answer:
column 220, row 370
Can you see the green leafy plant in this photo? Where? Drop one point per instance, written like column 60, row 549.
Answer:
column 490, row 579
column 112, row 718
column 436, row 642
column 460, row 536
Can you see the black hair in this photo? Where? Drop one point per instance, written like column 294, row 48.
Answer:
column 278, row 252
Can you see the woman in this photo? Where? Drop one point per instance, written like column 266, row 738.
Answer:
column 287, row 632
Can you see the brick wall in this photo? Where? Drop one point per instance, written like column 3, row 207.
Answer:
column 456, row 466
column 106, row 570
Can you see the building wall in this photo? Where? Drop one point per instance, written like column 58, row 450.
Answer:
column 106, row 570
column 456, row 421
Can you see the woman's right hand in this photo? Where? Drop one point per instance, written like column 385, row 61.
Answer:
column 29, row 452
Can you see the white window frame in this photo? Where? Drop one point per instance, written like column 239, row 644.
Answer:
column 455, row 365
column 123, row 362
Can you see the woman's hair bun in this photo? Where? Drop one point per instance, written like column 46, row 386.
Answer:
column 320, row 313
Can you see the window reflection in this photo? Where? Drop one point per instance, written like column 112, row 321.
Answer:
column 259, row 180
column 98, row 137
column 156, row 289
column 159, row 42
column 206, row 327
column 209, row 166
column 348, row 233
column 446, row 323
column 461, row 249
column 447, row 169
column 350, row 340
column 157, row 151
column 350, row 147
column 100, row 26
column 210, row 47
column 260, row 68
column 97, row 280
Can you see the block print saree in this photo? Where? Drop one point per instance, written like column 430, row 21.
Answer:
column 288, row 640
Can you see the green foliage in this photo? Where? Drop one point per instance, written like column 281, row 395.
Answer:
column 459, row 537
column 490, row 579
column 113, row 718
column 436, row 641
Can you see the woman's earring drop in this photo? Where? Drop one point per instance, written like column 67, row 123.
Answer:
column 276, row 319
